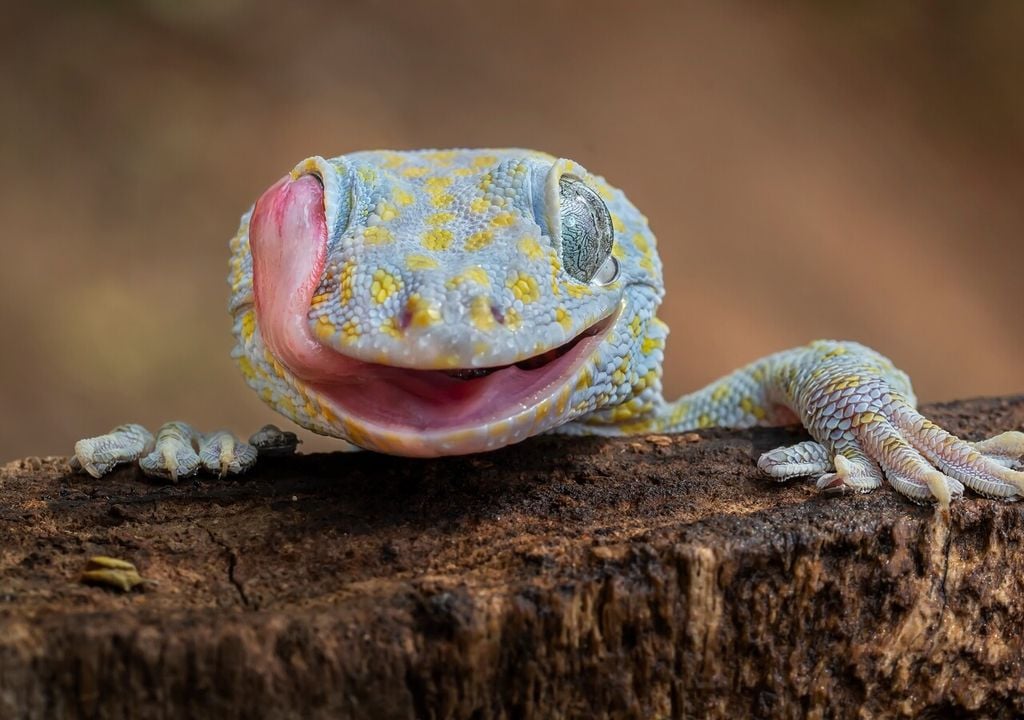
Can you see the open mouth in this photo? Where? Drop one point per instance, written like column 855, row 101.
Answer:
column 404, row 399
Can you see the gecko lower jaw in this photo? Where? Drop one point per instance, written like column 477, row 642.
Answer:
column 421, row 410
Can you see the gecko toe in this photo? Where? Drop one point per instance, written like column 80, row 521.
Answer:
column 174, row 455
column 223, row 454
column 806, row 459
column 99, row 455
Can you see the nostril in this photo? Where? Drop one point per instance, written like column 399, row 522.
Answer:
column 499, row 315
column 405, row 318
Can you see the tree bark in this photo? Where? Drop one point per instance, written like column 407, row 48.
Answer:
column 560, row 578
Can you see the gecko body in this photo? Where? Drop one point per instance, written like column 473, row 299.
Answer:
column 447, row 302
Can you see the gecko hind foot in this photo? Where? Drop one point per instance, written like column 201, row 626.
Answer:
column 178, row 451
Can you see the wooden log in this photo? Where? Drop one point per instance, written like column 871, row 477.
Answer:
column 563, row 577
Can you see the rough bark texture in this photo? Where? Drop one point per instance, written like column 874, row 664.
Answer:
column 559, row 578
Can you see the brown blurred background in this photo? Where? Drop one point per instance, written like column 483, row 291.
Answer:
column 814, row 171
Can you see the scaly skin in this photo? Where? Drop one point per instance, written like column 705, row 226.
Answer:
column 371, row 291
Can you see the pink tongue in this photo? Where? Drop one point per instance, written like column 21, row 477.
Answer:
column 288, row 239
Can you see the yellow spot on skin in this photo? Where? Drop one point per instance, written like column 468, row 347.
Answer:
column 384, row 285
column 324, row 328
column 440, row 218
column 390, row 327
column 748, row 406
column 377, row 235
column 387, row 211
column 475, row 274
column 480, row 205
column 524, row 287
column 354, row 432
column 366, row 173
column 720, row 393
column 562, row 318
column 416, row 171
column 503, row 219
column 442, row 200
column 679, row 412
column 437, row 183
column 865, row 418
column 563, row 400
column 348, row 271
column 442, row 157
column 248, row 325
column 636, row 428
column 640, row 243
column 529, row 247
column 246, row 367
column 846, row 383
column 543, row 408
column 513, row 320
column 625, row 411
column 422, row 313
column 704, row 421
column 420, row 262
column 636, row 326
column 402, row 197
column 480, row 313
column 556, row 267
column 651, row 344
column 484, row 161
column 499, row 429
column 617, row 224
column 437, row 239
column 577, row 290
column 479, row 240
column 602, row 188
column 286, row 405
column 584, row 380
column 350, row 331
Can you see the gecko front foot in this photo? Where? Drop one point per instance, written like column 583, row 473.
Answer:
column 177, row 451
column 922, row 462
column 920, row 459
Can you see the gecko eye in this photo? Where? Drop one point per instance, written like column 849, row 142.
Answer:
column 586, row 233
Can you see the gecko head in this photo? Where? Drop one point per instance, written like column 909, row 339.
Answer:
column 431, row 303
